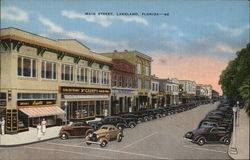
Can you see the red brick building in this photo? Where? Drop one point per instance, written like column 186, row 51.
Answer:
column 123, row 86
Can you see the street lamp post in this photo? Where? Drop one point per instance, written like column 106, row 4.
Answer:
column 233, row 148
column 237, row 113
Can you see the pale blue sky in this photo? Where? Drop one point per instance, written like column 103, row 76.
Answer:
column 205, row 28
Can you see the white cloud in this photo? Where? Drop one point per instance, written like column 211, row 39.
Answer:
column 168, row 27
column 222, row 47
column 15, row 14
column 103, row 20
column 53, row 28
column 232, row 31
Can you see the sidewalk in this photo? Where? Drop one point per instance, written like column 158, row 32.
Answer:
column 28, row 136
column 242, row 137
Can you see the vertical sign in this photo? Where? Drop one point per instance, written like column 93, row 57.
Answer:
column 11, row 121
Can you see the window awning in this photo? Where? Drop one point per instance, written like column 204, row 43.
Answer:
column 42, row 111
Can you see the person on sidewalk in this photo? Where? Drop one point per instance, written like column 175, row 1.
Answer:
column 39, row 131
column 44, row 123
column 2, row 126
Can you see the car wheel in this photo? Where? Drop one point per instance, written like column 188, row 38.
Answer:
column 151, row 117
column 201, row 141
column 132, row 125
column 119, row 138
column 64, row 136
column 227, row 141
column 103, row 143
column 140, row 120
column 146, row 119
column 120, row 128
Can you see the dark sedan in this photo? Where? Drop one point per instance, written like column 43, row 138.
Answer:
column 209, row 135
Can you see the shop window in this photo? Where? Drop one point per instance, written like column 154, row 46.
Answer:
column 91, row 108
column 95, row 76
column 82, row 74
column 67, row 72
column 48, row 70
column 26, row 67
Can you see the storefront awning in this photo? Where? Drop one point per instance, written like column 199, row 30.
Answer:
column 42, row 111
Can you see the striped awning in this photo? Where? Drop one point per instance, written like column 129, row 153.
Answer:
column 42, row 111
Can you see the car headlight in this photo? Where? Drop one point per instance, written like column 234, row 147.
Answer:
column 189, row 135
column 90, row 135
column 97, row 136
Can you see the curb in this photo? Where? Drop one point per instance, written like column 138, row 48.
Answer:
column 16, row 145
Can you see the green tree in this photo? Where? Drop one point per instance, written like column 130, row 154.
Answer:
column 235, row 78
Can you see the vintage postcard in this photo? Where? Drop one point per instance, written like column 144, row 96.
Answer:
column 116, row 79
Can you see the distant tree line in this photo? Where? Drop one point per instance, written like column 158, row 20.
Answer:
column 235, row 79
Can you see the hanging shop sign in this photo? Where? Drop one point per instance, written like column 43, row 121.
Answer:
column 81, row 90
column 11, row 121
column 36, row 102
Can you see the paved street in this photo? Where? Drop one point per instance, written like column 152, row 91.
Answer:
column 157, row 139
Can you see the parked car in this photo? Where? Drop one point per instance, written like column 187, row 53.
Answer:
column 105, row 134
column 131, row 119
column 142, row 116
column 209, row 135
column 117, row 121
column 75, row 129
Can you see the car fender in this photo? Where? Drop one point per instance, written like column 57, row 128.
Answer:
column 224, row 137
column 89, row 131
column 100, row 140
column 199, row 137
column 122, row 124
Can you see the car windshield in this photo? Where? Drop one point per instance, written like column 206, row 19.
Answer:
column 104, row 128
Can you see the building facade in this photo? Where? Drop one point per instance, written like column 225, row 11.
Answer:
column 59, row 80
column 123, row 87
column 187, row 91
column 155, row 92
column 170, row 88
column 203, row 91
column 142, row 83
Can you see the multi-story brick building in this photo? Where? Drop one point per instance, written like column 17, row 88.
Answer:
column 142, row 83
column 59, row 80
column 123, row 87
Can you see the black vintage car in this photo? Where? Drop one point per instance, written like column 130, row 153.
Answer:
column 117, row 121
column 209, row 135
column 131, row 119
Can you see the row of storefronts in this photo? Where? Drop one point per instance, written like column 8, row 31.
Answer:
column 63, row 81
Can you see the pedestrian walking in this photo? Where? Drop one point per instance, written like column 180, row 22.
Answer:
column 2, row 126
column 39, row 131
column 44, row 123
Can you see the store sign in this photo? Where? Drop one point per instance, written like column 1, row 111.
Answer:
column 80, row 90
column 35, row 102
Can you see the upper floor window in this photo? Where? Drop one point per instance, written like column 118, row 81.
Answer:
column 146, row 70
column 139, row 83
column 120, row 80
column 67, row 72
column 138, row 68
column 95, row 76
column 153, row 86
column 82, row 74
column 35, row 96
column 48, row 70
column 146, row 84
column 26, row 67
column 114, row 80
column 105, row 77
